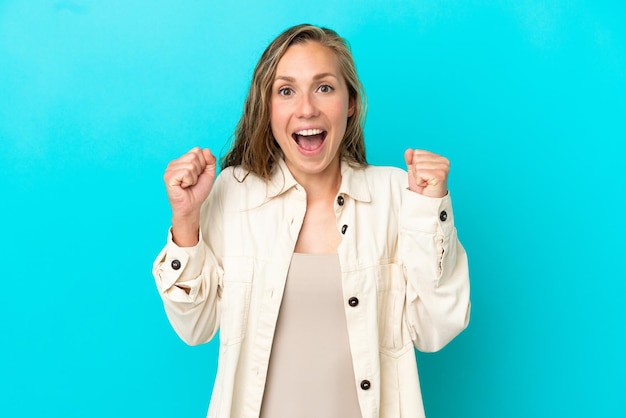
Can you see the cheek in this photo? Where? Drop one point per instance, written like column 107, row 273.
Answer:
column 343, row 110
column 277, row 117
column 341, row 113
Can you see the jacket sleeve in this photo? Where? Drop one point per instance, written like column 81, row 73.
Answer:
column 189, row 279
column 436, row 271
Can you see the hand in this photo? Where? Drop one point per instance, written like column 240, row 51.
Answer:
column 188, row 181
column 428, row 173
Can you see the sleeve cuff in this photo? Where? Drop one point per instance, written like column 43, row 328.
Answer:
column 180, row 264
column 426, row 214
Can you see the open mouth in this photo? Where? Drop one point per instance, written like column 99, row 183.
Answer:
column 309, row 139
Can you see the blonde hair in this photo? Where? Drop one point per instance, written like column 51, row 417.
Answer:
column 254, row 147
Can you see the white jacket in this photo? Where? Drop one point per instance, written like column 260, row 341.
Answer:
column 399, row 255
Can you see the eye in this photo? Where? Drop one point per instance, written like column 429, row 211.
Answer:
column 325, row 88
column 285, row 91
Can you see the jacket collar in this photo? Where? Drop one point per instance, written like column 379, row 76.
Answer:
column 281, row 180
column 353, row 181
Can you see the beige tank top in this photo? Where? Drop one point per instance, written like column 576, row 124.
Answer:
column 310, row 372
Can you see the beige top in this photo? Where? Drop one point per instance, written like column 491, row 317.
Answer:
column 310, row 372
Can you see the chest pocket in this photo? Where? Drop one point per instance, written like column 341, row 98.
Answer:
column 393, row 334
column 235, row 299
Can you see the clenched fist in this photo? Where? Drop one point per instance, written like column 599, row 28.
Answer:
column 188, row 181
column 428, row 172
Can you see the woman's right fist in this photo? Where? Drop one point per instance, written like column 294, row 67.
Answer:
column 188, row 181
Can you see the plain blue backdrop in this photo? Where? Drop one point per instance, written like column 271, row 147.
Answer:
column 527, row 98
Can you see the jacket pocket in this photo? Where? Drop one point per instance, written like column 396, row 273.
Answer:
column 391, row 295
column 235, row 299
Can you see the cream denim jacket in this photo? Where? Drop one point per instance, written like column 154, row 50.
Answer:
column 399, row 257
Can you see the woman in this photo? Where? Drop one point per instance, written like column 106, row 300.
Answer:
column 321, row 272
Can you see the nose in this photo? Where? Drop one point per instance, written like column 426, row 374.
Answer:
column 306, row 107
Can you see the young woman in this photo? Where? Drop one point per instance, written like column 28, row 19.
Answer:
column 321, row 272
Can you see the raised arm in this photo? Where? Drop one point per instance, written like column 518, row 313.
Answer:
column 188, row 271
column 434, row 261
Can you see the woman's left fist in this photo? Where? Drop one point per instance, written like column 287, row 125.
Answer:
column 428, row 173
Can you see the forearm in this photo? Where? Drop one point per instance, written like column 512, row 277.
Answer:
column 186, row 230
column 436, row 272
column 187, row 279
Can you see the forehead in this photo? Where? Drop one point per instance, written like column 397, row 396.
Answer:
column 308, row 59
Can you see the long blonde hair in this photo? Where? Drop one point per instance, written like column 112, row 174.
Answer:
column 254, row 147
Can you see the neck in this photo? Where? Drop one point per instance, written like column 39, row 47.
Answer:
column 322, row 185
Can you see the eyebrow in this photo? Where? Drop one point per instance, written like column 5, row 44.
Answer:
column 316, row 77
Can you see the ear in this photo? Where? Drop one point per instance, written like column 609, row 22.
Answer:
column 351, row 107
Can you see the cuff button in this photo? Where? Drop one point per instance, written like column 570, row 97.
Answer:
column 443, row 216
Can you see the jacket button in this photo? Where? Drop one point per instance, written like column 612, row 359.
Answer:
column 175, row 264
column 344, row 229
column 353, row 301
column 443, row 216
column 365, row 384
column 340, row 200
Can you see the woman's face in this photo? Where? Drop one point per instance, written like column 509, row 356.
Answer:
column 309, row 109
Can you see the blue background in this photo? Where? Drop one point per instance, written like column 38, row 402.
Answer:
column 527, row 98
